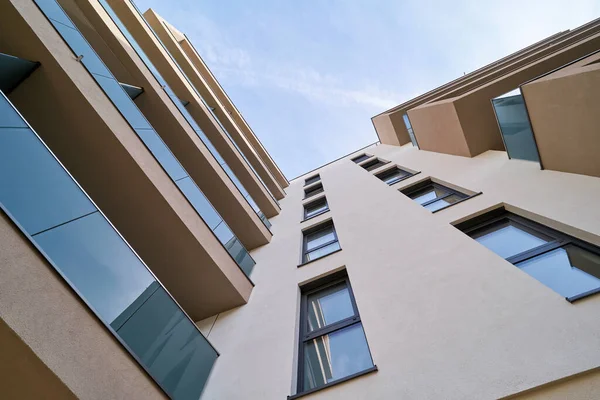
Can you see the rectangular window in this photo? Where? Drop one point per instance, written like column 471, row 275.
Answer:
column 433, row 196
column 374, row 164
column 319, row 241
column 315, row 208
column 333, row 346
column 361, row 158
column 566, row 265
column 312, row 179
column 311, row 191
column 393, row 175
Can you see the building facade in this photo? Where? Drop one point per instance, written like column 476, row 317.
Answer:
column 151, row 248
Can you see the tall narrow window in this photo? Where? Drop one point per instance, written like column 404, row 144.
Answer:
column 319, row 241
column 433, row 196
column 333, row 346
column 312, row 179
column 567, row 265
column 361, row 158
column 374, row 164
column 316, row 207
column 410, row 131
column 311, row 191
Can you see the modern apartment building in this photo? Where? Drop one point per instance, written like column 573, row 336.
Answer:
column 151, row 248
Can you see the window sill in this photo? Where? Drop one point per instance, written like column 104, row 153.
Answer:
column 458, row 202
column 314, row 216
column 581, row 296
column 330, row 384
column 320, row 258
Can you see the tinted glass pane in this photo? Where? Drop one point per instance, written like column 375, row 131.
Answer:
column 335, row 356
column 373, row 165
column 80, row 47
column 431, row 193
column 328, row 306
column 123, row 102
column 54, row 11
column 568, row 271
column 394, row 176
column 314, row 190
column 9, row 116
column 240, row 255
column 98, row 263
column 319, row 238
column 168, row 344
column 445, row 202
column 514, row 126
column 313, row 209
column 312, row 179
column 360, row 158
column 200, row 203
column 14, row 71
column 509, row 240
column 323, row 251
column 162, row 153
column 34, row 188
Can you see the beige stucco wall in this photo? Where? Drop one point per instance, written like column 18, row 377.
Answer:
column 445, row 318
column 61, row 331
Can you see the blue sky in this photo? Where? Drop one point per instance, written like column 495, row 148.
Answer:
column 309, row 75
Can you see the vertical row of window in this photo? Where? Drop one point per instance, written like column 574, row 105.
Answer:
column 332, row 346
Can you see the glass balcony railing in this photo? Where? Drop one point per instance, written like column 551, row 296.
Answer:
column 514, row 125
column 263, row 218
column 122, row 101
column 54, row 213
column 178, row 103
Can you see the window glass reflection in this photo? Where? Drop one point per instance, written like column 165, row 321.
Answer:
column 509, row 240
column 97, row 262
column 568, row 271
column 328, row 306
column 515, row 128
column 319, row 238
column 335, row 356
column 123, row 102
column 323, row 251
column 33, row 186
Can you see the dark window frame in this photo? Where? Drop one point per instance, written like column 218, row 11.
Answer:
column 490, row 221
column 313, row 203
column 314, row 229
column 305, row 336
column 316, row 178
column 416, row 189
column 313, row 190
column 374, row 164
column 358, row 159
column 390, row 171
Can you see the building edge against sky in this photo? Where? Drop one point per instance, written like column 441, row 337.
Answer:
column 151, row 247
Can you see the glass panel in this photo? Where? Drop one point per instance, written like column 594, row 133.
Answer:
column 328, row 306
column 240, row 254
column 123, row 102
column 445, row 202
column 431, row 193
column 373, row 165
column 509, row 240
column 312, row 180
column 323, row 251
column 394, row 176
column 33, row 186
column 316, row 209
column 319, row 238
column 168, row 344
column 162, row 153
column 335, row 356
column 80, row 47
column 567, row 270
column 360, row 158
column 410, row 131
column 52, row 10
column 98, row 263
column 313, row 191
column 514, row 125
column 200, row 203
column 9, row 117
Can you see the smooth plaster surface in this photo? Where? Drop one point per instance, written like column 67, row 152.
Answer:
column 444, row 316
